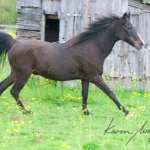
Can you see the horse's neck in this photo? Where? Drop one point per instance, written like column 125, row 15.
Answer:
column 106, row 42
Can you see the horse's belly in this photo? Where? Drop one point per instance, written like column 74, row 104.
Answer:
column 59, row 75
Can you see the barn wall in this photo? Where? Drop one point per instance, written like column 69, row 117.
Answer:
column 29, row 19
column 51, row 6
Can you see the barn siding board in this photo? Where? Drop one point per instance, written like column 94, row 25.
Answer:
column 43, row 27
column 28, row 16
column 51, row 7
column 70, row 19
column 86, row 17
column 28, row 33
column 62, row 29
column 18, row 6
column 25, row 34
column 30, row 10
column 28, row 3
column 28, row 24
column 77, row 19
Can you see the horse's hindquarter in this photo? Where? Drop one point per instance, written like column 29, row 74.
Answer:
column 21, row 56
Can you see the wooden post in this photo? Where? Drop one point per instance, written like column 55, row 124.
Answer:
column 43, row 22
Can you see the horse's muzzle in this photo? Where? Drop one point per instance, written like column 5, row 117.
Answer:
column 139, row 46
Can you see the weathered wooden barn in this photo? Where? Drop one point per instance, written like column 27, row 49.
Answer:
column 56, row 20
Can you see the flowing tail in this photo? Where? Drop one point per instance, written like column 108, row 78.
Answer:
column 6, row 42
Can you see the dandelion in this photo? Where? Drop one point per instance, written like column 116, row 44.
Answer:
column 52, row 138
column 68, row 146
column 64, row 144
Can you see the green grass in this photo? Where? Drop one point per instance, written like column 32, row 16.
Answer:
column 11, row 28
column 58, row 123
column 8, row 14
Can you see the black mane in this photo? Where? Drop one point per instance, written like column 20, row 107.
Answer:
column 95, row 29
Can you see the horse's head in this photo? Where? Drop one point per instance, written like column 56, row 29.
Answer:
column 126, row 32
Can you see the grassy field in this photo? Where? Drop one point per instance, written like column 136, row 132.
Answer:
column 8, row 14
column 58, row 123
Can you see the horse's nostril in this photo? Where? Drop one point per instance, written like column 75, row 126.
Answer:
column 141, row 44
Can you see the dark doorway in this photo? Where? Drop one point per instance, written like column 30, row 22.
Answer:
column 52, row 28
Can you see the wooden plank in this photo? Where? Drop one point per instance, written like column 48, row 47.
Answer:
column 51, row 7
column 124, row 6
column 36, row 3
column 30, row 3
column 52, row 17
column 85, row 19
column 57, row 5
column 139, row 5
column 26, row 34
column 28, row 25
column 26, row 22
column 43, row 27
column 92, row 8
column 52, row 12
column 28, row 16
column 18, row 6
column 70, row 19
column 31, row 10
column 48, row 5
column 77, row 19
column 62, row 28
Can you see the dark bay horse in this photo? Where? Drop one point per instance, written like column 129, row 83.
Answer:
column 82, row 57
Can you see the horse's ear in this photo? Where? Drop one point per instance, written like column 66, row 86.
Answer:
column 125, row 15
column 129, row 15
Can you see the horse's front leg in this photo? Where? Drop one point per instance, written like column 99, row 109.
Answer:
column 98, row 81
column 85, row 87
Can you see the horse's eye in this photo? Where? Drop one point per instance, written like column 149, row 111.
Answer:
column 129, row 28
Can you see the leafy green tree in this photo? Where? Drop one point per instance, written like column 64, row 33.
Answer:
column 8, row 14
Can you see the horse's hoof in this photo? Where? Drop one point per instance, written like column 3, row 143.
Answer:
column 27, row 112
column 129, row 115
column 87, row 113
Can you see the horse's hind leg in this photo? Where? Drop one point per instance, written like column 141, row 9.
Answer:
column 7, row 82
column 85, row 87
column 20, row 81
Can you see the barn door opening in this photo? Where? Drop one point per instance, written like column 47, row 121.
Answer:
column 52, row 28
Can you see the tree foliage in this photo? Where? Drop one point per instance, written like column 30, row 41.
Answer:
column 8, row 14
